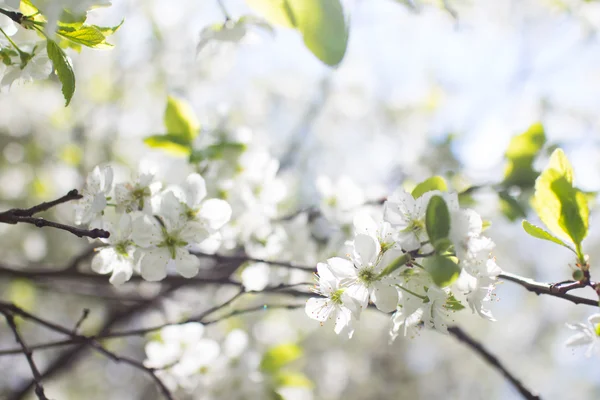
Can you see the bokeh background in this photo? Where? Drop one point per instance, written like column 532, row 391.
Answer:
column 425, row 88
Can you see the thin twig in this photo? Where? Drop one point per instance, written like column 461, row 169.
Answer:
column 68, row 357
column 492, row 360
column 25, row 215
column 84, row 315
column 244, row 258
column 546, row 288
column 37, row 377
column 45, row 206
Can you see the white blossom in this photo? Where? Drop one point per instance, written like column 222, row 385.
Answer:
column 335, row 301
column 165, row 244
column 586, row 335
column 118, row 257
column 137, row 195
column 95, row 194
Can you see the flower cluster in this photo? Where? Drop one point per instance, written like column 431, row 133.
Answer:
column 186, row 360
column 394, row 264
column 151, row 230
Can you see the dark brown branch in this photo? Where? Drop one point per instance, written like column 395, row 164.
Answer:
column 67, row 358
column 37, row 377
column 243, row 258
column 75, row 339
column 25, row 215
column 84, row 315
column 546, row 288
column 45, row 206
column 492, row 360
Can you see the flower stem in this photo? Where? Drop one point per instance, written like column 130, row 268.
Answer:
column 394, row 265
column 424, row 298
column 11, row 42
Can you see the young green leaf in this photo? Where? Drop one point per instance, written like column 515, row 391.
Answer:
column 217, row 151
column 323, row 27
column 321, row 22
column 277, row 12
column 293, row 379
column 437, row 223
column 443, row 270
column 279, row 356
column 173, row 144
column 70, row 20
column 108, row 30
column 510, row 207
column 520, row 154
column 453, row 304
column 560, row 206
column 88, row 36
column 433, row 183
column 180, row 119
column 63, row 69
column 540, row 233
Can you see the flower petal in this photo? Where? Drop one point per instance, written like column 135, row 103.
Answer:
column 319, row 308
column 215, row 213
column 154, row 264
column 186, row 264
column 385, row 297
column 194, row 190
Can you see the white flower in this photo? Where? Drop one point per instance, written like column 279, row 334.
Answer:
column 37, row 67
column 212, row 213
column 419, row 292
column 136, row 195
column 407, row 215
column 410, row 324
column 477, row 290
column 362, row 275
column 118, row 257
column 465, row 225
column 335, row 301
column 586, row 335
column 181, row 354
column 382, row 231
column 478, row 261
column 339, row 199
column 165, row 243
column 95, row 194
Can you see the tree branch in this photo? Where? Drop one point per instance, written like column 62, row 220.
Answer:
column 25, row 215
column 546, row 288
column 37, row 377
column 68, row 357
column 492, row 360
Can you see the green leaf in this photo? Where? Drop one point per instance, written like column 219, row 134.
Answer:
column 69, row 20
column 323, row 27
column 279, row 356
column 443, row 270
column 453, row 304
column 63, row 69
column 173, row 144
column 540, row 233
column 293, row 379
column 433, row 183
column 109, row 30
column 437, row 223
column 520, row 155
column 510, row 207
column 321, row 22
column 180, row 119
column 218, row 151
column 277, row 12
column 560, row 206
column 88, row 36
